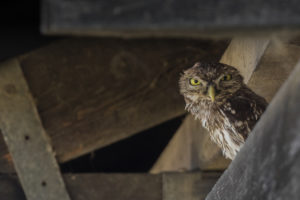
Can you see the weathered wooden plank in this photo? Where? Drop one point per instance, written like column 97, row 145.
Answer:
column 191, row 147
column 244, row 53
column 126, row 186
column 168, row 18
column 190, row 186
column 93, row 92
column 267, row 167
column 274, row 68
column 114, row 186
column 26, row 139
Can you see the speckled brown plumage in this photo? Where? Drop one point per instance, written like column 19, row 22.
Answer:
column 215, row 94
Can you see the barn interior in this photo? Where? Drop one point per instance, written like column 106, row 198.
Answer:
column 90, row 105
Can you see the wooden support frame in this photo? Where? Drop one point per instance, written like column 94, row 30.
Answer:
column 26, row 138
column 28, row 62
column 267, row 167
column 118, row 186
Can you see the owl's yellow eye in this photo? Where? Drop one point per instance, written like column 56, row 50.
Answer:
column 226, row 77
column 194, row 82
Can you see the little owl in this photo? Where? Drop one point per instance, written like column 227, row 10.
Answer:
column 215, row 94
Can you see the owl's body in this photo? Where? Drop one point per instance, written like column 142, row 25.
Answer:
column 228, row 109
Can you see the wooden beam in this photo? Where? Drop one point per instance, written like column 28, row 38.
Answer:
column 114, row 186
column 191, row 185
column 26, row 138
column 196, row 18
column 274, row 68
column 93, row 92
column 244, row 54
column 191, row 147
column 267, row 167
column 173, row 186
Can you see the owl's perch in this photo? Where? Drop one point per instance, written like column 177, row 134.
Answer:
column 181, row 153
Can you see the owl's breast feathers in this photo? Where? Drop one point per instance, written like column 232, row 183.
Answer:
column 230, row 123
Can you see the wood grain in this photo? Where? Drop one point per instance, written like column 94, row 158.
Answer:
column 194, row 18
column 26, row 138
column 118, row 186
column 190, row 149
column 274, row 68
column 244, row 53
column 93, row 92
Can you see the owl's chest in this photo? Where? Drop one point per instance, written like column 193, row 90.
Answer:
column 222, row 131
column 212, row 118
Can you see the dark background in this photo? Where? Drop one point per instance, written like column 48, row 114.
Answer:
column 19, row 30
column 19, row 33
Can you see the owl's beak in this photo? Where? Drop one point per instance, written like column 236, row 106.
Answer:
column 211, row 92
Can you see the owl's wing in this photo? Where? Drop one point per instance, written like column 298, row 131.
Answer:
column 244, row 110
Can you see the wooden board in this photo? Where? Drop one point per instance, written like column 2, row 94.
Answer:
column 194, row 18
column 267, row 167
column 93, row 92
column 274, row 68
column 26, row 138
column 190, row 149
column 136, row 186
column 244, row 53
column 190, row 186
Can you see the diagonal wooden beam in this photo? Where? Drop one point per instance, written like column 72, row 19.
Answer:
column 26, row 138
column 244, row 54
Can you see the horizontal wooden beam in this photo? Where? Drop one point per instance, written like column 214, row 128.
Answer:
column 168, row 18
column 175, row 186
column 267, row 167
column 93, row 92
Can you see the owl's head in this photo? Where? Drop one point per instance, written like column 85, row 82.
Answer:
column 212, row 82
